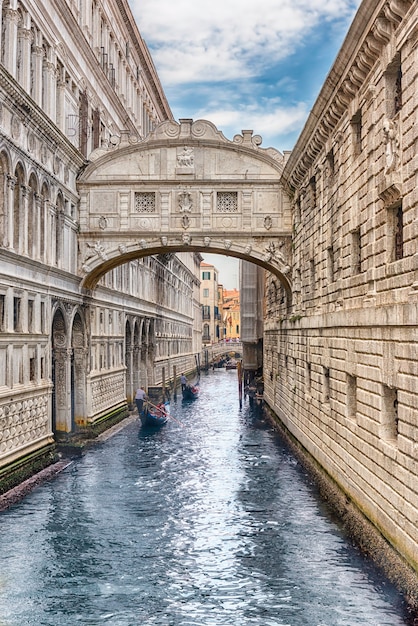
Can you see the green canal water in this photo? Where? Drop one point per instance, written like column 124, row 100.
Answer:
column 208, row 523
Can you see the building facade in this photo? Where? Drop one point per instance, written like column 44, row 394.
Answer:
column 231, row 314
column 74, row 79
column 252, row 300
column 341, row 356
column 209, row 298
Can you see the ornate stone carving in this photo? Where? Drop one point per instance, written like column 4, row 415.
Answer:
column 15, row 127
column 186, row 157
column 390, row 132
column 185, row 201
column 96, row 248
column 268, row 222
column 185, row 221
column 206, row 241
column 102, row 222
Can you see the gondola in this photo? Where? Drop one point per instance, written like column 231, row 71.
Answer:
column 154, row 416
column 190, row 392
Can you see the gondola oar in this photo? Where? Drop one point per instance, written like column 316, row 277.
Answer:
column 165, row 413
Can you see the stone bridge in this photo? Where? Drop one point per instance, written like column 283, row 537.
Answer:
column 184, row 188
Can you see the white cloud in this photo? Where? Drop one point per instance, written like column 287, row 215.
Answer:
column 222, row 39
column 268, row 120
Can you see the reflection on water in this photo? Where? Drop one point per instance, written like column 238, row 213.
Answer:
column 206, row 523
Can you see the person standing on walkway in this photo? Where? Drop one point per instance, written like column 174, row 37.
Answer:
column 183, row 381
column 140, row 396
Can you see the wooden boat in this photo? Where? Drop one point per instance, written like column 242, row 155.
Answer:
column 190, row 392
column 155, row 416
column 231, row 365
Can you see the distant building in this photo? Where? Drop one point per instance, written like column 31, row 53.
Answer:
column 209, row 298
column 231, row 314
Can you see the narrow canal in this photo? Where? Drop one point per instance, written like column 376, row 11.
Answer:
column 206, row 524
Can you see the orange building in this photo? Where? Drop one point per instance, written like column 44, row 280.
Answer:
column 231, row 314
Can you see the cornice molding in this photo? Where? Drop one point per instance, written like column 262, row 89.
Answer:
column 30, row 113
column 373, row 27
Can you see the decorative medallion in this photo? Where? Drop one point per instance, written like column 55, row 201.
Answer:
column 268, row 222
column 185, row 202
column 102, row 222
column 15, row 125
column 185, row 220
column 44, row 154
column 56, row 164
column 31, row 142
column 227, row 222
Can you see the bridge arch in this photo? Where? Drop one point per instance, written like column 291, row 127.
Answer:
column 184, row 188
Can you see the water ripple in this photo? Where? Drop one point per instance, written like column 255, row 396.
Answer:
column 209, row 524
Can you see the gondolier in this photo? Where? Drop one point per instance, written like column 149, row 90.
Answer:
column 140, row 396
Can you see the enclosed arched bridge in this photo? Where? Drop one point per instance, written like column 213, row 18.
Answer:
column 184, row 188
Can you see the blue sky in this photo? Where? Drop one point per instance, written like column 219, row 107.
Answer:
column 244, row 64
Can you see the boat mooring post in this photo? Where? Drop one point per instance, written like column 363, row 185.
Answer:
column 163, row 377
column 175, row 381
column 239, row 372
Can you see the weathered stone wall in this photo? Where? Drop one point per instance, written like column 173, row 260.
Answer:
column 341, row 360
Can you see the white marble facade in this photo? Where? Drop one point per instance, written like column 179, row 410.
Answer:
column 73, row 78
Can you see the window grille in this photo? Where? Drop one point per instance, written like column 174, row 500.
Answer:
column 227, row 202
column 145, row 202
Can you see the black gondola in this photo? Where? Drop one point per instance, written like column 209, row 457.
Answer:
column 190, row 392
column 155, row 416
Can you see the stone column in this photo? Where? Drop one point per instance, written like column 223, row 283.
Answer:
column 37, row 222
column 1, row 24
column 24, row 227
column 63, row 390
column 24, row 39
column 9, row 210
column 50, row 227
column 50, row 89
column 11, row 18
column 38, row 55
column 80, row 365
column 130, row 383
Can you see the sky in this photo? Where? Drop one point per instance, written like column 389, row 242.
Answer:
column 244, row 64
